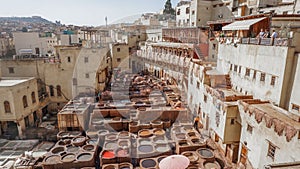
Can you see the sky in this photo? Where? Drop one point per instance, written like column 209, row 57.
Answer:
column 83, row 12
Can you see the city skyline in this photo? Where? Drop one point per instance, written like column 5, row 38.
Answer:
column 90, row 14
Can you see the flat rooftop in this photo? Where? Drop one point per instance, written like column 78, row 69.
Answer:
column 278, row 113
column 8, row 82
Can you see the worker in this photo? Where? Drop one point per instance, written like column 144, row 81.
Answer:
column 196, row 122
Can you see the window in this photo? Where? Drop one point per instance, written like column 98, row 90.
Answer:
column 240, row 69
column 33, row 97
column 7, row 107
column 271, row 150
column 11, row 70
column 118, row 49
column 232, row 121
column 25, row 104
column 235, row 68
column 295, row 107
column 178, row 12
column 74, row 81
column 285, row 12
column 187, row 10
column 273, row 79
column 214, row 46
column 205, row 98
column 198, row 84
column 51, row 88
column 262, row 77
column 87, row 75
column 247, row 72
column 86, row 59
column 249, row 129
column 69, row 59
column 254, row 74
column 58, row 89
column 193, row 12
column 231, row 66
column 118, row 59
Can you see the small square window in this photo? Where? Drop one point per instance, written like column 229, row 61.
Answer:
column 193, row 12
column 11, row 70
column 118, row 49
column 235, row 68
column 254, row 74
column 87, row 75
column 86, row 59
column 232, row 121
column 118, row 59
column 240, row 69
column 247, row 72
column 249, row 129
column 273, row 80
column 205, row 98
column 262, row 77
column 271, row 150
column 69, row 59
column 296, row 107
column 231, row 66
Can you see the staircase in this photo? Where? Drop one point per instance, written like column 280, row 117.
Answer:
column 198, row 52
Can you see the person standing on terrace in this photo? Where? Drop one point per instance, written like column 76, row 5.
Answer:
column 261, row 34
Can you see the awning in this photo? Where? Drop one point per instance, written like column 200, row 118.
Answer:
column 242, row 25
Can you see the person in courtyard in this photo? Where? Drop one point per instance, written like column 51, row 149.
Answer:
column 196, row 122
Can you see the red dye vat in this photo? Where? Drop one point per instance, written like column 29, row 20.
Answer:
column 108, row 154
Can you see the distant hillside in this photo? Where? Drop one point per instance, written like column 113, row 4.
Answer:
column 33, row 19
column 128, row 19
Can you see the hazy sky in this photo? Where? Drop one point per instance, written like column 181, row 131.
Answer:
column 83, row 12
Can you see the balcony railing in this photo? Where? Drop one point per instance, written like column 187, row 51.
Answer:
column 258, row 41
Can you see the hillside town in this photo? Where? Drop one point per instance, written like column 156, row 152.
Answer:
column 201, row 84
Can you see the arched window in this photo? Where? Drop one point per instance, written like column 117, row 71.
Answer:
column 58, row 88
column 33, row 97
column 7, row 107
column 25, row 104
column 187, row 10
column 51, row 90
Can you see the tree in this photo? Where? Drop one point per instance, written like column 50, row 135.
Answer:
column 168, row 8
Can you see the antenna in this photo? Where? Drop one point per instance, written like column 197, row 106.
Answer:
column 106, row 21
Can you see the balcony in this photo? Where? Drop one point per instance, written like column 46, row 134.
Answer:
column 257, row 41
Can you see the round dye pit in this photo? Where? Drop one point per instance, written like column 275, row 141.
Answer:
column 103, row 132
column 148, row 163
column 111, row 137
column 196, row 141
column 88, row 147
column 145, row 148
column 145, row 142
column 160, row 158
column 108, row 154
column 63, row 134
column 192, row 156
column 68, row 158
column 211, row 166
column 122, row 153
column 145, row 133
column 183, row 143
column 180, row 136
column 206, row 153
column 162, row 148
column 58, row 150
column 124, row 143
column 64, row 142
column 124, row 134
column 192, row 134
column 54, row 159
column 110, row 167
column 159, row 132
column 84, row 157
column 74, row 133
column 111, row 145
